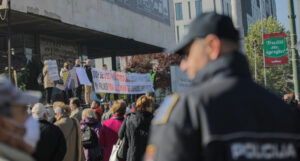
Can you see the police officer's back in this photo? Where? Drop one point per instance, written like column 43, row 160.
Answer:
column 226, row 115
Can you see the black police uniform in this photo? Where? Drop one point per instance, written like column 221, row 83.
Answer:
column 226, row 116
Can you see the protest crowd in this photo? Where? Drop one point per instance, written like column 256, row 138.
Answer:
column 83, row 117
column 77, row 123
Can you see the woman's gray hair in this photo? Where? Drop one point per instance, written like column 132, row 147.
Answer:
column 39, row 111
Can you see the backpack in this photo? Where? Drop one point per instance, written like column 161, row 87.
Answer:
column 89, row 137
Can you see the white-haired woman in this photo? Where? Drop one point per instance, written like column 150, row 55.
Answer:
column 90, row 129
column 52, row 143
column 48, row 83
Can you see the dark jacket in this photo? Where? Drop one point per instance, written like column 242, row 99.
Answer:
column 95, row 153
column 88, row 70
column 52, row 143
column 135, row 129
column 225, row 116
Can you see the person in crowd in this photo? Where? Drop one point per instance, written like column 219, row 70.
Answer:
column 76, row 110
column 88, row 89
column 107, row 114
column 290, row 99
column 110, row 128
column 14, row 145
column 71, row 130
column 48, row 83
column 132, row 108
column 78, row 90
column 51, row 114
column 52, row 143
column 67, row 93
column 96, row 107
column 90, row 129
column 135, row 128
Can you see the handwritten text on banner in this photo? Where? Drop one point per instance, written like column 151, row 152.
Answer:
column 121, row 83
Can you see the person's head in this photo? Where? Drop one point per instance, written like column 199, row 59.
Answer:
column 50, row 113
column 88, row 113
column 39, row 112
column 66, row 65
column 119, row 107
column 13, row 109
column 77, row 62
column 210, row 36
column 13, row 102
column 104, row 67
column 58, row 103
column 61, row 111
column 88, row 62
column 95, row 104
column 74, row 103
column 144, row 103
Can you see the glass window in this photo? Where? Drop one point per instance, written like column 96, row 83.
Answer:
column 198, row 5
column 178, row 8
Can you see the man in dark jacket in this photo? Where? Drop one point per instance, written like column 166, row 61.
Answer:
column 78, row 90
column 52, row 143
column 226, row 115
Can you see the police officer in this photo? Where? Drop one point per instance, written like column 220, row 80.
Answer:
column 226, row 115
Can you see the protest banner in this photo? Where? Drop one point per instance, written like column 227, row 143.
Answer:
column 65, row 76
column 53, row 70
column 72, row 81
column 82, row 76
column 179, row 80
column 121, row 83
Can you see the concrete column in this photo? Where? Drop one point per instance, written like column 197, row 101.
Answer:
column 237, row 15
column 236, row 12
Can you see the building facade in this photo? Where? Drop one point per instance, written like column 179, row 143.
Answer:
column 251, row 11
column 243, row 12
column 66, row 30
column 187, row 10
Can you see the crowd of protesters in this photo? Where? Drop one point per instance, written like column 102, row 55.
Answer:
column 72, row 130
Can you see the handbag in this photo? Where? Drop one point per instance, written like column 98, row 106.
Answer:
column 114, row 152
column 122, row 152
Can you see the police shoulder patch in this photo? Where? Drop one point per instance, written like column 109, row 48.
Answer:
column 164, row 111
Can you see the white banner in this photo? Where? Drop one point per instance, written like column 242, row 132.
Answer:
column 72, row 81
column 82, row 76
column 121, row 83
column 179, row 80
column 53, row 70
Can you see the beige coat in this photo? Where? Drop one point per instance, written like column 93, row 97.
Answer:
column 47, row 81
column 76, row 114
column 71, row 130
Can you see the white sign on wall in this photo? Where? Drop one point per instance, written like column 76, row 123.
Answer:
column 179, row 80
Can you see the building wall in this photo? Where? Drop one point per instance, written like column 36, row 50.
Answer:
column 110, row 17
column 251, row 11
